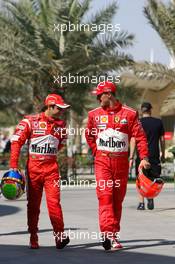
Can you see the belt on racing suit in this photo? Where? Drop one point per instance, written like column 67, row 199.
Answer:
column 112, row 154
column 40, row 157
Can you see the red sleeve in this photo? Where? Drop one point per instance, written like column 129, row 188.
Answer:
column 138, row 133
column 22, row 133
column 90, row 137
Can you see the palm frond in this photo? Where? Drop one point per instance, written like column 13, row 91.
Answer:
column 153, row 71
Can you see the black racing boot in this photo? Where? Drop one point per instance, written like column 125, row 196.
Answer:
column 106, row 243
column 62, row 241
column 141, row 206
column 150, row 204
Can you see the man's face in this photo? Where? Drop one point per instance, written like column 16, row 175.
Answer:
column 104, row 99
column 55, row 111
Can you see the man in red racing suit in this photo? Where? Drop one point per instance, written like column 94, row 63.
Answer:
column 44, row 135
column 108, row 132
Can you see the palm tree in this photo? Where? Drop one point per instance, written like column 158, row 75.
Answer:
column 162, row 18
column 33, row 53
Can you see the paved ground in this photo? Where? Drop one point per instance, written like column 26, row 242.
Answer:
column 147, row 237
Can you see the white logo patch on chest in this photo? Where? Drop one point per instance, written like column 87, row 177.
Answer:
column 45, row 145
column 112, row 140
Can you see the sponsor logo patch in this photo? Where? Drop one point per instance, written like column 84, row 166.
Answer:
column 101, row 126
column 21, row 127
column 15, row 138
column 42, row 125
column 124, row 121
column 97, row 118
column 116, row 119
column 111, row 143
column 39, row 132
column 112, row 140
column 35, row 124
column 46, row 149
column 104, row 119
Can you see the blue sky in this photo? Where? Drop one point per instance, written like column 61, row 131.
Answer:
column 131, row 18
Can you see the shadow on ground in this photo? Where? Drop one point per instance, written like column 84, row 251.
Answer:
column 84, row 253
column 40, row 231
column 8, row 210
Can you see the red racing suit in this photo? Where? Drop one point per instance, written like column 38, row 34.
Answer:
column 108, row 133
column 45, row 137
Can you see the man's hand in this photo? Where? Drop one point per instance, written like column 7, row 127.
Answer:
column 144, row 164
column 162, row 159
column 131, row 161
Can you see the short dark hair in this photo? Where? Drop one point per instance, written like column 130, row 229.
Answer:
column 43, row 108
column 146, row 107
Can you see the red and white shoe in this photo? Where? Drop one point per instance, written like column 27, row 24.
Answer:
column 115, row 244
column 34, row 241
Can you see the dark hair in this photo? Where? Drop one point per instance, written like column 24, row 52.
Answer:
column 146, row 107
column 44, row 108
